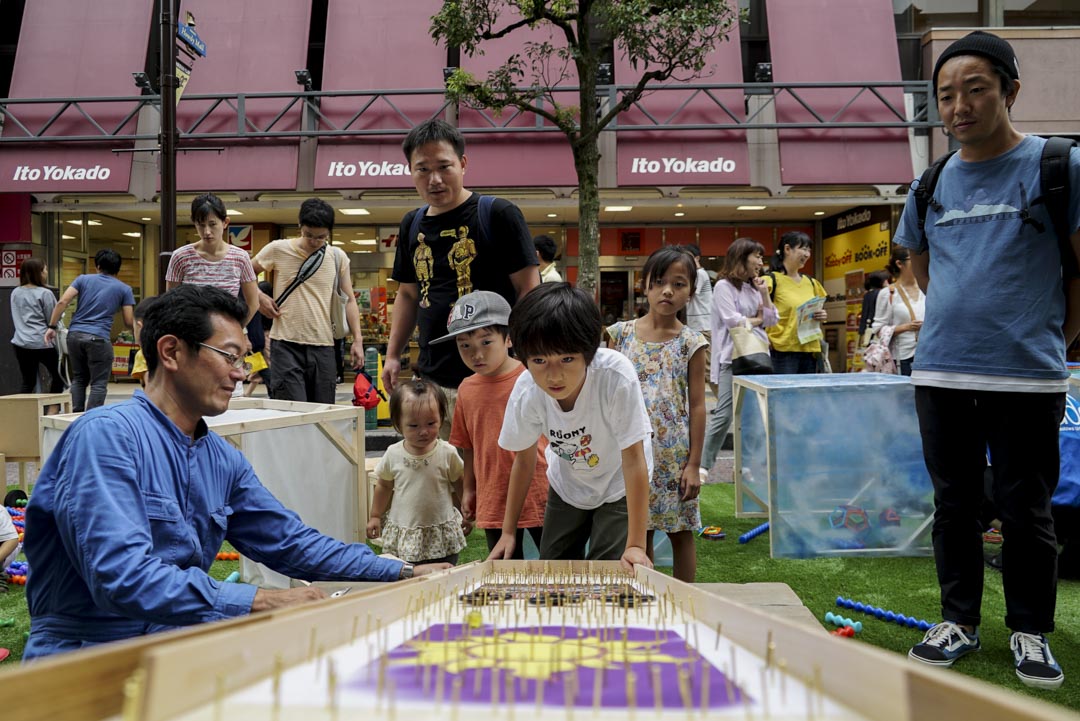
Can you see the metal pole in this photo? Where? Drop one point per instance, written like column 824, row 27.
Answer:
column 167, row 137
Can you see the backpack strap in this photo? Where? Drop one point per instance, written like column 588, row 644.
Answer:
column 414, row 227
column 483, row 214
column 924, row 193
column 483, row 217
column 1054, row 187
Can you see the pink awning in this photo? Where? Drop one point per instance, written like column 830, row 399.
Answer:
column 252, row 46
column 686, row 157
column 75, row 50
column 837, row 41
column 376, row 46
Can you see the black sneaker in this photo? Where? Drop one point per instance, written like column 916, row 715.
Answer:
column 943, row 644
column 1035, row 665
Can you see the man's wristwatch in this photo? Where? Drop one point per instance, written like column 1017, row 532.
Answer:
column 51, row 327
column 406, row 571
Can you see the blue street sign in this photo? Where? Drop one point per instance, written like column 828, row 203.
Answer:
column 191, row 38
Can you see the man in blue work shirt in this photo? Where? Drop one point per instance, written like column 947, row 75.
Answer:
column 134, row 503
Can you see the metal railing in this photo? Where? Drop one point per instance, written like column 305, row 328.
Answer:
column 251, row 116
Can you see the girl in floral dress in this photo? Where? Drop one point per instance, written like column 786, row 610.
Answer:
column 423, row 474
column 671, row 368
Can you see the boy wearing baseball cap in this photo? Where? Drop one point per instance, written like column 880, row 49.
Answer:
column 479, row 326
column 990, row 372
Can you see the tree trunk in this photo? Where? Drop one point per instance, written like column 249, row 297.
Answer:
column 587, row 164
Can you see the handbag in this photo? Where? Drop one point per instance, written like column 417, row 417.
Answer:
column 750, row 354
column 339, row 323
column 824, row 364
column 61, row 338
column 877, row 358
column 257, row 361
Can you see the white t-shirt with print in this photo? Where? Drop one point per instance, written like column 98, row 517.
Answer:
column 585, row 445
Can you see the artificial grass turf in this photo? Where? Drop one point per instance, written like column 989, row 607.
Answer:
column 904, row 585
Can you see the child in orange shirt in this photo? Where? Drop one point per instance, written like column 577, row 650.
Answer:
column 479, row 324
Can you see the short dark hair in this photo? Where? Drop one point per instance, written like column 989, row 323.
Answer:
column 876, row 280
column 185, row 312
column 545, row 245
column 416, row 388
column 792, row 238
column 1007, row 83
column 693, row 249
column 555, row 318
column 737, row 255
column 107, row 261
column 317, row 213
column 32, row 272
column 434, row 130
column 661, row 259
column 203, row 205
column 142, row 306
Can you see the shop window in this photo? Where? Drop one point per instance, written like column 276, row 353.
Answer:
column 72, row 237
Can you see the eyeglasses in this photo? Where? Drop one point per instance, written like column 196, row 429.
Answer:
column 236, row 361
column 322, row 238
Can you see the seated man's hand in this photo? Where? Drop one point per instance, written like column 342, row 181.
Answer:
column 266, row 600
column 504, row 549
column 425, row 568
column 634, row 556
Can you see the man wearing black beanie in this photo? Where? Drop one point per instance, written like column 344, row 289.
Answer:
column 990, row 370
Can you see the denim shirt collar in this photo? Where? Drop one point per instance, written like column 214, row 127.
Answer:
column 170, row 428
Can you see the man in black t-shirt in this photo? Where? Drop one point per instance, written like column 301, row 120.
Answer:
column 450, row 254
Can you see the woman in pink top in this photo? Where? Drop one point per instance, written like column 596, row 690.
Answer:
column 212, row 260
column 740, row 296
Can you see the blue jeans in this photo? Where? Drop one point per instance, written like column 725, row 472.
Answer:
column 718, row 421
column 785, row 363
column 91, row 364
column 905, row 365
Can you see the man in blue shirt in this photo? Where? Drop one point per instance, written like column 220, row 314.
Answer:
column 89, row 344
column 990, row 368
column 132, row 506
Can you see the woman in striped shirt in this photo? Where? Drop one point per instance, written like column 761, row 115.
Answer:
column 212, row 260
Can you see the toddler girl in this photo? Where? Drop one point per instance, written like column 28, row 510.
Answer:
column 671, row 369
column 423, row 475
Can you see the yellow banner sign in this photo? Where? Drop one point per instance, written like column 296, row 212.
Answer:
column 865, row 249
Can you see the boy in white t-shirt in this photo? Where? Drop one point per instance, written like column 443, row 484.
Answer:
column 587, row 402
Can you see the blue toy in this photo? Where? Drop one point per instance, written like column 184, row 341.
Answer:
column 754, row 533
column 890, row 616
column 838, row 620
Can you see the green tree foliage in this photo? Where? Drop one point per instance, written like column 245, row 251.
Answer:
column 662, row 40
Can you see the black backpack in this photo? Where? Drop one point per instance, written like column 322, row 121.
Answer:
column 1053, row 189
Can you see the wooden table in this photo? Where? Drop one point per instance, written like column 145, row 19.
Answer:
column 20, row 428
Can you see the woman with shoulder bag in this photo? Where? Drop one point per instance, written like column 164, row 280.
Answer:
column 740, row 297
column 901, row 307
